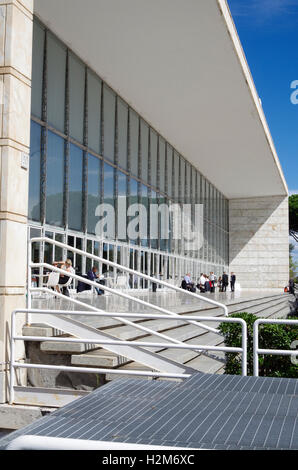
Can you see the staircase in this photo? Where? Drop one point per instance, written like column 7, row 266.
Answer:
column 99, row 342
column 87, row 355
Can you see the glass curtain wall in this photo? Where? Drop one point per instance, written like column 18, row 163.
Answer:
column 88, row 147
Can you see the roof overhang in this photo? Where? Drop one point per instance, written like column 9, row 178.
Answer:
column 180, row 64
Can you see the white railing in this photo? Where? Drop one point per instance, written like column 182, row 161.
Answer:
column 109, row 289
column 32, row 442
column 119, row 267
column 157, row 374
column 276, row 352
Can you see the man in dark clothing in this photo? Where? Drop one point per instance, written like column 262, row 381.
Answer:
column 232, row 282
column 92, row 276
column 225, row 282
column 291, row 286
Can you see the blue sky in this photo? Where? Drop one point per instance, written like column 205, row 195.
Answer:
column 268, row 30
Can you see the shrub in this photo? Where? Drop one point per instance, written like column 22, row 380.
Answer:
column 270, row 337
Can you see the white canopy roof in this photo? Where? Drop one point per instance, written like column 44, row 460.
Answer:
column 179, row 63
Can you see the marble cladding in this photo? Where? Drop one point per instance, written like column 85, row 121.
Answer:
column 16, row 25
column 259, row 241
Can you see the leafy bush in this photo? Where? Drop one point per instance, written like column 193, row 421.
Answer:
column 270, row 337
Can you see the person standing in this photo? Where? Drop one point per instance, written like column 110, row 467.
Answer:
column 232, row 282
column 225, row 282
column 201, row 284
column 212, row 280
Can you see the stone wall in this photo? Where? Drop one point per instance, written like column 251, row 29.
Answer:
column 259, row 242
column 16, row 20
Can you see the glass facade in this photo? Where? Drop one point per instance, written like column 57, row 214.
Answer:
column 88, row 146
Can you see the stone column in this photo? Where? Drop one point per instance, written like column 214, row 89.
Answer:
column 259, row 242
column 16, row 24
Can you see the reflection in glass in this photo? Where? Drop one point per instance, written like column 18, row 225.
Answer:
column 133, row 199
column 134, row 142
column 56, row 59
column 75, row 188
column 37, row 69
column 170, row 169
column 109, row 101
column 55, row 180
column 94, row 105
column 76, row 98
column 144, row 149
column 153, row 157
column 122, row 133
column 93, row 191
column 122, row 206
column 162, row 162
column 34, row 167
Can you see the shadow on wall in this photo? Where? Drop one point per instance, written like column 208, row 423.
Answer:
column 259, row 236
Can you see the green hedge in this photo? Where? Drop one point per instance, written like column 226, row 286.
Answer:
column 270, row 337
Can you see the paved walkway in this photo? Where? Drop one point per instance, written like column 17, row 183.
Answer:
column 175, row 301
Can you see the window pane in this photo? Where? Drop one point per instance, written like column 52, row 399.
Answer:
column 37, row 69
column 55, row 180
column 76, row 98
column 122, row 203
column 34, row 176
column 144, row 149
column 187, row 183
column 108, row 184
column 144, row 201
column 122, row 134
column 109, row 122
column 56, row 56
column 134, row 147
column 153, row 221
column 169, row 169
column 162, row 161
column 93, row 191
column 176, row 175
column 133, row 199
column 94, row 105
column 75, row 188
column 182, row 179
column 153, row 157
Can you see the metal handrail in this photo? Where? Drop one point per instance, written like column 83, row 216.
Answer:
column 14, row 337
column 109, row 289
column 276, row 352
column 119, row 293
column 128, row 270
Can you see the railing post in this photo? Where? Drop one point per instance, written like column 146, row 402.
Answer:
column 256, row 348
column 29, row 280
column 244, row 347
column 12, row 354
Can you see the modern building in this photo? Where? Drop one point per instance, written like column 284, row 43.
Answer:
column 148, row 102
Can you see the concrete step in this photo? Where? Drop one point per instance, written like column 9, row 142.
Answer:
column 207, row 364
column 213, row 362
column 183, row 333
column 87, row 355
column 130, row 333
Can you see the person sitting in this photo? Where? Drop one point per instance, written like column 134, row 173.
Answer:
column 92, row 275
column 63, row 279
column 188, row 284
